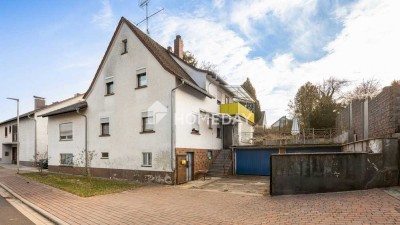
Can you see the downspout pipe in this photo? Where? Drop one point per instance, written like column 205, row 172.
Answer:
column 173, row 134
column 35, row 137
column 86, row 140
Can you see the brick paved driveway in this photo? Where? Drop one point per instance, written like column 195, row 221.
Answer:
column 173, row 205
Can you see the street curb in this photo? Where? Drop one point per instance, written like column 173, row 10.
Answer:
column 39, row 210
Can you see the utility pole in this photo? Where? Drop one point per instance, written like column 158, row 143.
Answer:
column 17, row 100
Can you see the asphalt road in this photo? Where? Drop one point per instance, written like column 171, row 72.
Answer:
column 11, row 216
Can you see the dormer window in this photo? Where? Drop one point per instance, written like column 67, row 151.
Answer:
column 124, row 46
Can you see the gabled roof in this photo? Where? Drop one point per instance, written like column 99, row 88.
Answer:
column 161, row 54
column 67, row 109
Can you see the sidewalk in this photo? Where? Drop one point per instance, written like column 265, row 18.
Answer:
column 172, row 205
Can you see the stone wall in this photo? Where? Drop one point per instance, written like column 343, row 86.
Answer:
column 332, row 172
column 135, row 175
column 382, row 114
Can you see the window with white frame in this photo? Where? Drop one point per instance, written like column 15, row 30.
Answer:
column 142, row 80
column 195, row 123
column 66, row 132
column 147, row 159
column 66, row 159
column 147, row 122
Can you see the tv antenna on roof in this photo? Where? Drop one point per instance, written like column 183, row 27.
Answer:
column 145, row 4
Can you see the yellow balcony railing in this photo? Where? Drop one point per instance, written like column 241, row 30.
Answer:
column 237, row 109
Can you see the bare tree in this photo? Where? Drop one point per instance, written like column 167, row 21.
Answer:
column 332, row 86
column 41, row 161
column 366, row 89
column 80, row 162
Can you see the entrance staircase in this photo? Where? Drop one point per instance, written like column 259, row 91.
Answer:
column 221, row 166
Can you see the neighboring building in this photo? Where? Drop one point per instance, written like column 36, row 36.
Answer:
column 33, row 134
column 150, row 116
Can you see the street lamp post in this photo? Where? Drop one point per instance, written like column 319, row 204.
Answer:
column 17, row 100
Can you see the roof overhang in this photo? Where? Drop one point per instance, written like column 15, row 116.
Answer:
column 68, row 109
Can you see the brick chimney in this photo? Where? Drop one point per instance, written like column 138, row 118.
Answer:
column 39, row 102
column 178, row 46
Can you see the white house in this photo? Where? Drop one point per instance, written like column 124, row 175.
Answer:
column 33, row 136
column 147, row 115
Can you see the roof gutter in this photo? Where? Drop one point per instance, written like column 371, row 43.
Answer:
column 86, row 140
column 173, row 134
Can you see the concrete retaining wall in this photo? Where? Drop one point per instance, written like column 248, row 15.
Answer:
column 331, row 172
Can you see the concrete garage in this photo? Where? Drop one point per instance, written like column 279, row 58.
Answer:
column 256, row 160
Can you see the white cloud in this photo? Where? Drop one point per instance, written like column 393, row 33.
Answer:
column 366, row 47
column 104, row 18
column 294, row 13
column 218, row 3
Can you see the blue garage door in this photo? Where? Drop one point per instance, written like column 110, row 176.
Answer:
column 254, row 161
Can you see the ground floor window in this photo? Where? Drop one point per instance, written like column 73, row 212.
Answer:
column 147, row 159
column 66, row 159
column 104, row 155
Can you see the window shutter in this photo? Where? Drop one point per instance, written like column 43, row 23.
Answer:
column 142, row 70
column 109, row 79
column 104, row 120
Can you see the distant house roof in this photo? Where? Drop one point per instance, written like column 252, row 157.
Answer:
column 22, row 116
column 68, row 109
column 161, row 54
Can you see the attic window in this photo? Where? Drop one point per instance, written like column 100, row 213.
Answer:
column 125, row 46
column 110, row 88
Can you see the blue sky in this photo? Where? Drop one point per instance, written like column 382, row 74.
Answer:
column 52, row 48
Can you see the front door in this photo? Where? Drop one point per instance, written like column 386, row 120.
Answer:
column 181, row 169
column 14, row 155
column 189, row 166
column 228, row 136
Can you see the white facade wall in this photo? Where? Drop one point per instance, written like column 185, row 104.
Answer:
column 8, row 138
column 74, row 146
column 189, row 102
column 126, row 144
column 42, row 122
column 27, row 140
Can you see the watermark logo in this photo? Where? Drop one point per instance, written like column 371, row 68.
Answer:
column 159, row 111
